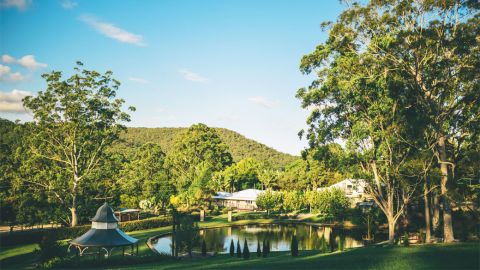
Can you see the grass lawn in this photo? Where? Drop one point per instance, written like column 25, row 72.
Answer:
column 23, row 256
column 441, row 256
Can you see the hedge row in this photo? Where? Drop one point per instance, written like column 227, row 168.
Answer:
column 34, row 236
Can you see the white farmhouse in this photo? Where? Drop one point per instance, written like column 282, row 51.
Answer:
column 242, row 200
column 354, row 189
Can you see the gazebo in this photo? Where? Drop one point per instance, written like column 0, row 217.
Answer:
column 104, row 234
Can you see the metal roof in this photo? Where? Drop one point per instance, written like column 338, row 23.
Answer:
column 243, row 195
column 104, row 238
column 105, row 214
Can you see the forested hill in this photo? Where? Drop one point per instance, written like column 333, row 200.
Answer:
column 240, row 146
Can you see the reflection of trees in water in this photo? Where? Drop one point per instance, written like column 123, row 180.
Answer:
column 280, row 237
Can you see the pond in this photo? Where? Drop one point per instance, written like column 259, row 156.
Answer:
column 280, row 236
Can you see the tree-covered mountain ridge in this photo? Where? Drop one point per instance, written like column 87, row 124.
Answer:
column 240, row 146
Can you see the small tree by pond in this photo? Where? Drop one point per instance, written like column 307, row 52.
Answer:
column 232, row 248
column 265, row 249
column 294, row 246
column 204, row 248
column 324, row 245
column 246, row 251
column 239, row 250
column 259, row 251
column 269, row 201
column 268, row 247
column 185, row 234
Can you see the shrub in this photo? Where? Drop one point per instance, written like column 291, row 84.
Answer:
column 204, row 248
column 265, row 249
column 294, row 246
column 341, row 243
column 35, row 236
column 330, row 204
column 232, row 248
column 259, row 251
column 405, row 240
column 239, row 250
column 293, row 201
column 48, row 247
column 270, row 200
column 246, row 251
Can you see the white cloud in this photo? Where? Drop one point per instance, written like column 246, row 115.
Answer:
column 192, row 76
column 27, row 61
column 112, row 31
column 7, row 75
column 138, row 80
column 8, row 59
column 4, row 70
column 12, row 101
column 19, row 4
column 69, row 4
column 261, row 101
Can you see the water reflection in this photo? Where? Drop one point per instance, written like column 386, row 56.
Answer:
column 279, row 235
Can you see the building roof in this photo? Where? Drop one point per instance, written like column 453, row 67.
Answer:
column 105, row 214
column 104, row 238
column 243, row 195
column 127, row 210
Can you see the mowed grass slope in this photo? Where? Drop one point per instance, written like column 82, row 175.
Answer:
column 441, row 256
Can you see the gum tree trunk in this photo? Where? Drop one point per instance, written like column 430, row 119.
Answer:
column 447, row 211
column 428, row 234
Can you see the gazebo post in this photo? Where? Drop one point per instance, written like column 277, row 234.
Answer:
column 137, row 249
column 131, row 253
column 123, row 251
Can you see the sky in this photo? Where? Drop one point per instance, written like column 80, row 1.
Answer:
column 226, row 63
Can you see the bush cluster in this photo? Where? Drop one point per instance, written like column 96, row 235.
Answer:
column 35, row 236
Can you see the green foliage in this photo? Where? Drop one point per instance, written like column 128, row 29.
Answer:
column 329, row 204
column 232, row 248
column 294, row 246
column 49, row 247
column 186, row 233
column 264, row 248
column 246, row 251
column 239, row 249
column 241, row 175
column 35, row 236
column 270, row 200
column 197, row 155
column 405, row 240
column 293, row 201
column 204, row 248
column 341, row 243
column 259, row 251
column 324, row 245
column 75, row 120
column 144, row 177
column 239, row 146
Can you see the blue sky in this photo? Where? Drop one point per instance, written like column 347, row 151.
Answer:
column 231, row 64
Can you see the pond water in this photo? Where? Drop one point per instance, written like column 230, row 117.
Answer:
column 280, row 236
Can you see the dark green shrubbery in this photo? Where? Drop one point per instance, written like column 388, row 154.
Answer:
column 204, row 248
column 259, row 251
column 49, row 247
column 35, row 236
column 232, row 248
column 246, row 251
column 294, row 246
column 239, row 250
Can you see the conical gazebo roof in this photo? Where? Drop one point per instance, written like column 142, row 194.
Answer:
column 104, row 231
column 105, row 214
